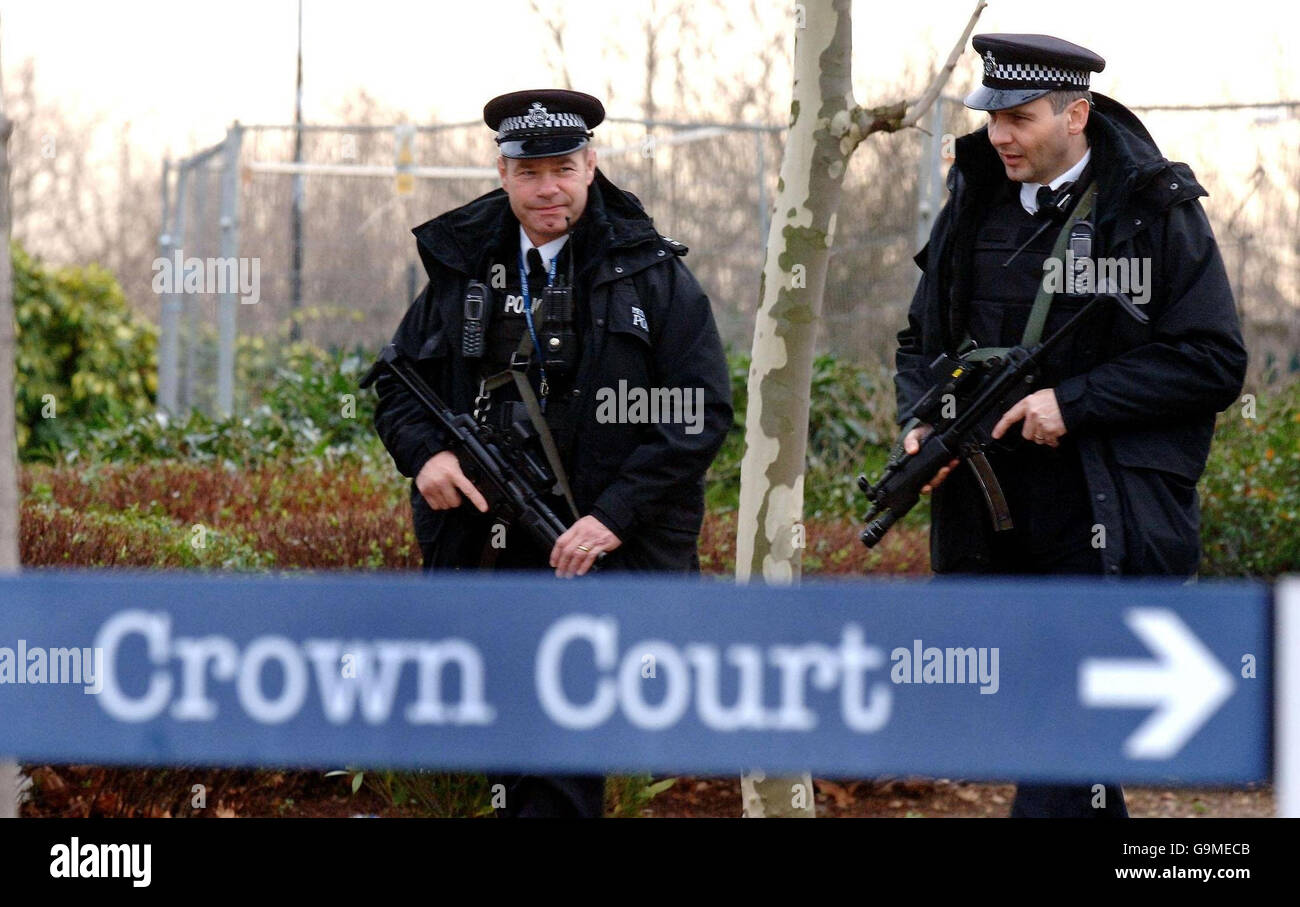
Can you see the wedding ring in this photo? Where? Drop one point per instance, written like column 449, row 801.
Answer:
column 583, row 548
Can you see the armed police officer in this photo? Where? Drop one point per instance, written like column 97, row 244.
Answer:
column 1098, row 463
column 546, row 298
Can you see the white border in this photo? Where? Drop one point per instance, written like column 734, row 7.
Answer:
column 1286, row 697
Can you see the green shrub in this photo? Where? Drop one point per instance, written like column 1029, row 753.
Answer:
column 432, row 795
column 850, row 429
column 1250, row 493
column 304, row 413
column 80, row 351
column 55, row 536
column 627, row 795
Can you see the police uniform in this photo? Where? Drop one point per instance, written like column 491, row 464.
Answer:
column 1138, row 401
column 637, row 317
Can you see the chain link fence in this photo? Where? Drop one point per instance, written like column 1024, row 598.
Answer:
column 362, row 188
column 359, row 190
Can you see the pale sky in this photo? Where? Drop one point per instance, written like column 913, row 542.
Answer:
column 180, row 72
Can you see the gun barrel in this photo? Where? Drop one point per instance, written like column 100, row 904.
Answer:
column 507, row 492
column 877, row 526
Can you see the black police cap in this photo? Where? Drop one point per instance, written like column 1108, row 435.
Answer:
column 545, row 123
column 1021, row 68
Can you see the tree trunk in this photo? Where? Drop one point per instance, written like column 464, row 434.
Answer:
column 9, row 777
column 794, row 275
column 826, row 125
column 790, row 301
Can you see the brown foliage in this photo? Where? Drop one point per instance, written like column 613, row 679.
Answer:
column 94, row 791
column 831, row 549
column 304, row 517
column 51, row 536
column 313, row 517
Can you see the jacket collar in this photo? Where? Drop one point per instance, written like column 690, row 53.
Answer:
column 459, row 239
column 1125, row 159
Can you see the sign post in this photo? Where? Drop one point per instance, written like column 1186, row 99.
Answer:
column 1287, row 702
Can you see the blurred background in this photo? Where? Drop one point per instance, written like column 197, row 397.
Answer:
column 130, row 117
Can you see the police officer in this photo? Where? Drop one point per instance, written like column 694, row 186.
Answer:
column 1099, row 462
column 551, row 301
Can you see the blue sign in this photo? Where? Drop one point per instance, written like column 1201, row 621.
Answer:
column 1082, row 680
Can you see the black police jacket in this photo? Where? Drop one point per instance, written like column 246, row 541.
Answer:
column 1141, row 399
column 644, row 482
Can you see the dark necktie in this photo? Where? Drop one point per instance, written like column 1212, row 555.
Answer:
column 536, row 270
column 1049, row 197
column 1047, row 212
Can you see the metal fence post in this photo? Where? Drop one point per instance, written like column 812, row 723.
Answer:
column 929, row 185
column 936, row 153
column 229, row 249
column 192, row 315
column 169, row 340
column 164, row 253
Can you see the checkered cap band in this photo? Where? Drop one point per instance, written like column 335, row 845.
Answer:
column 1022, row 73
column 541, row 124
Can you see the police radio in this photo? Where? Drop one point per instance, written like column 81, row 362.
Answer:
column 474, row 320
column 558, row 339
column 1080, row 249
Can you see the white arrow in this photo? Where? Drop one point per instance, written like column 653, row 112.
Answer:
column 1185, row 684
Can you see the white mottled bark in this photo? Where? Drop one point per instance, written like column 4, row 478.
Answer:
column 826, row 125
column 794, row 275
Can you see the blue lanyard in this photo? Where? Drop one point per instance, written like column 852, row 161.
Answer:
column 528, row 315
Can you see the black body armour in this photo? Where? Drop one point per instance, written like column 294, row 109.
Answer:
column 505, row 326
column 1044, row 486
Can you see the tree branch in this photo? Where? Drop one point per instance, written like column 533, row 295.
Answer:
column 904, row 115
column 941, row 77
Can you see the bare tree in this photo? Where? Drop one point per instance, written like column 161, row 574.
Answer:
column 648, row 109
column 70, row 206
column 825, row 128
column 555, row 23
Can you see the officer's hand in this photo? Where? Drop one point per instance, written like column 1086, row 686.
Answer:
column 568, row 557
column 912, row 443
column 441, row 483
column 1042, row 415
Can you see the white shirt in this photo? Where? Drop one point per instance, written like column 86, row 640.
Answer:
column 546, row 250
column 1029, row 191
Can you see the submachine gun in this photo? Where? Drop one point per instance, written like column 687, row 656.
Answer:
column 499, row 462
column 974, row 393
